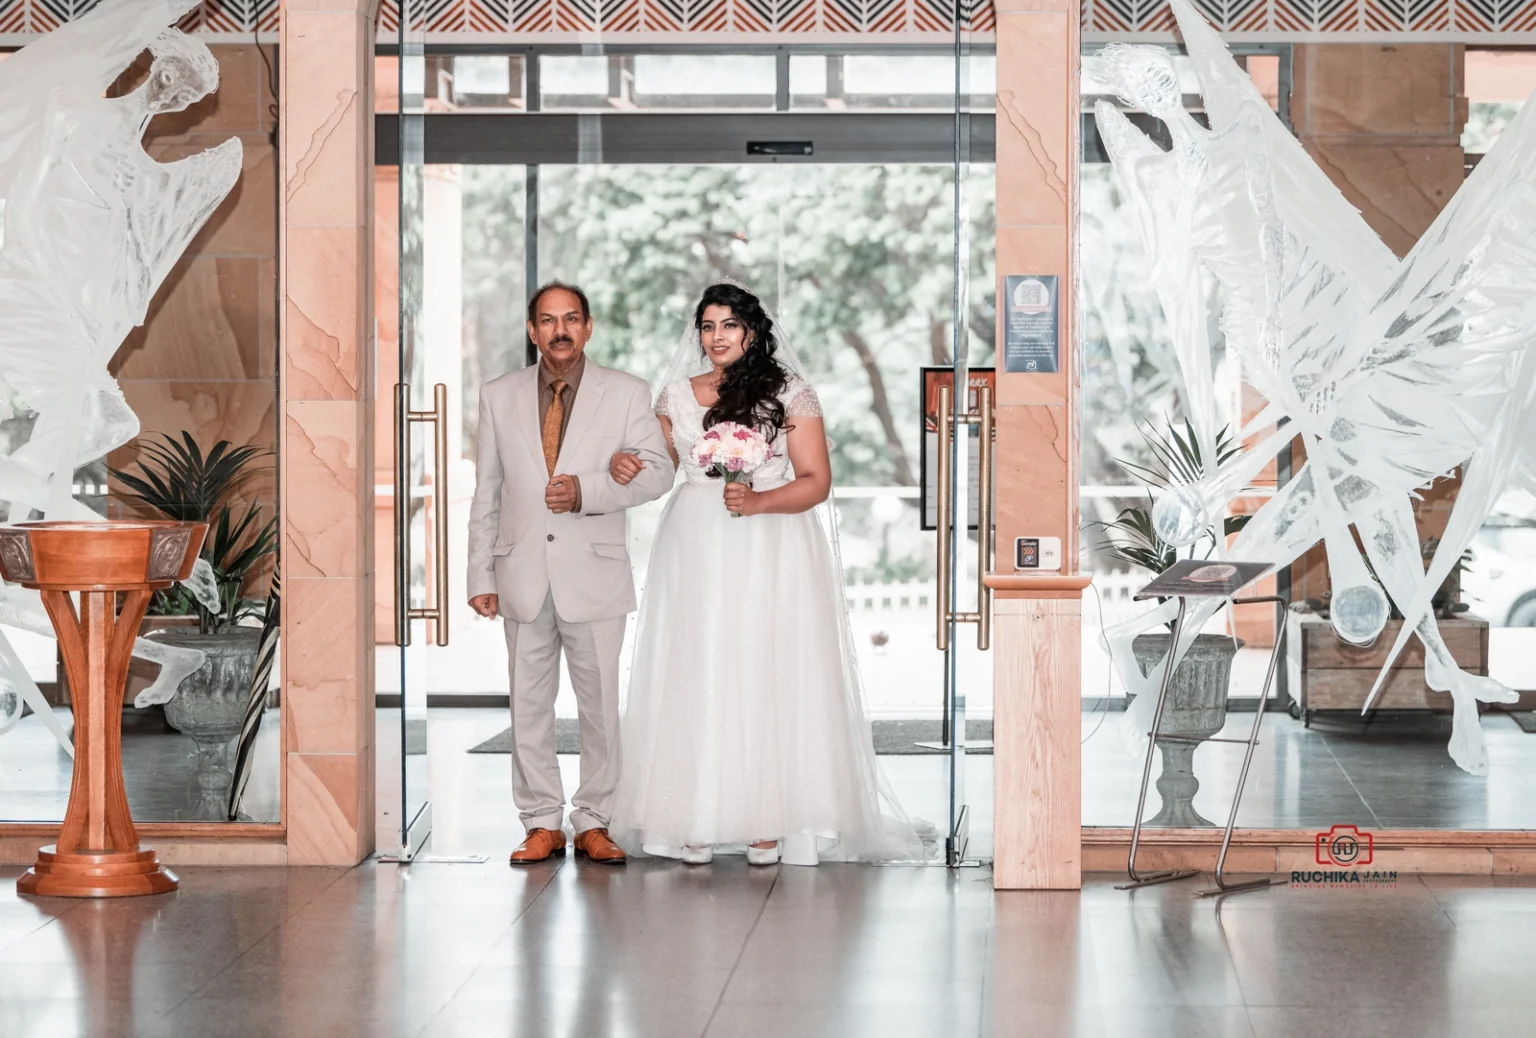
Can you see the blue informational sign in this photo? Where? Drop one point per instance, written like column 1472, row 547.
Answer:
column 1031, row 324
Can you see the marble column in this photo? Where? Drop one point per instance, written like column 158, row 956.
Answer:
column 1384, row 121
column 327, row 406
column 1038, row 618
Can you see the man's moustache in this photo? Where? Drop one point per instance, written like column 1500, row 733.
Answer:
column 566, row 339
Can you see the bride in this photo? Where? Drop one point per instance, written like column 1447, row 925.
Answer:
column 744, row 723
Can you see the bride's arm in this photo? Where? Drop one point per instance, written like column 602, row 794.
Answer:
column 813, row 475
column 666, row 432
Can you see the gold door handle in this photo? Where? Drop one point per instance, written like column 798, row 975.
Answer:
column 438, row 418
column 982, row 418
column 942, row 494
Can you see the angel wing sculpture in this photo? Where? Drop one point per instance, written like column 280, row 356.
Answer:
column 90, row 226
column 1389, row 373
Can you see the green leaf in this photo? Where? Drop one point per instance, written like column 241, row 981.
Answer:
column 176, row 478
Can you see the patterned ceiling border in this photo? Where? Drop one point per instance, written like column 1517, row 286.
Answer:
column 866, row 21
column 21, row 20
column 1319, row 21
column 686, row 20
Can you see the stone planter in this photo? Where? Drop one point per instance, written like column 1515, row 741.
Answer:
column 1196, row 708
column 210, row 706
column 141, row 673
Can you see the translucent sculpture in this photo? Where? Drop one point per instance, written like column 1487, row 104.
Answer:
column 90, row 226
column 1390, row 373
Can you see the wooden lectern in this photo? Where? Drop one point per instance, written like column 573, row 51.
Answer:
column 98, row 852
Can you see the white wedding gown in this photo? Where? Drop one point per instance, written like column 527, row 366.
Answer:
column 744, row 719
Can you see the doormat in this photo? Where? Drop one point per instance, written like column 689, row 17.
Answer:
column 892, row 738
column 1526, row 719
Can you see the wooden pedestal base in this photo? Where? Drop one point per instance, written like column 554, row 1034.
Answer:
column 98, row 853
column 106, row 874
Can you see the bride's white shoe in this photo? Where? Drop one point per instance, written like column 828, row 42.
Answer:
column 799, row 849
column 763, row 855
column 698, row 855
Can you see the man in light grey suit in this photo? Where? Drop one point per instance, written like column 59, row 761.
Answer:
column 547, row 553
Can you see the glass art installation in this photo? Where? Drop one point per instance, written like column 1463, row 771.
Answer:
column 90, row 226
column 1388, row 373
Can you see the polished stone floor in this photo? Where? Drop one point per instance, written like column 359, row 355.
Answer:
column 660, row 949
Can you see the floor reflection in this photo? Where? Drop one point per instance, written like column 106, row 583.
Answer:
column 667, row 950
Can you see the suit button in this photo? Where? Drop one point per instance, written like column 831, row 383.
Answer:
column 550, row 537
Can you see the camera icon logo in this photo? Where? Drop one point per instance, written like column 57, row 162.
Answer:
column 1345, row 846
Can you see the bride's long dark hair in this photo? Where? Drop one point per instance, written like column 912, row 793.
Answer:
column 749, row 388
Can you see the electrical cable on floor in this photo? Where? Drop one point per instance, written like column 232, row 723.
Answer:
column 1109, row 681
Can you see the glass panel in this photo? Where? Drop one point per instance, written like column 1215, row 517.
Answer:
column 178, row 754
column 876, row 81
column 1497, row 85
column 410, row 821
column 705, row 80
column 1499, row 582
column 481, row 82
column 648, row 81
column 573, row 81
column 1309, row 772
column 967, row 680
column 1091, row 85
column 1131, row 388
column 455, row 83
column 386, row 94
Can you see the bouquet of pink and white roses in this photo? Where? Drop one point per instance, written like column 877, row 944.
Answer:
column 731, row 452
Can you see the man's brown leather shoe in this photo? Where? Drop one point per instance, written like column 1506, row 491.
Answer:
column 597, row 846
column 539, row 845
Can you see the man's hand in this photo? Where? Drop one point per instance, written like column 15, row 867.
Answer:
column 561, row 494
column 485, row 605
column 624, row 467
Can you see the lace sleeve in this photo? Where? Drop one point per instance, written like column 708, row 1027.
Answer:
column 803, row 402
column 661, row 403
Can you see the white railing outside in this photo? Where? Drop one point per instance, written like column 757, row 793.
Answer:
column 915, row 597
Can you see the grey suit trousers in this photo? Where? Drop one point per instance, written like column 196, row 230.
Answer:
column 591, row 653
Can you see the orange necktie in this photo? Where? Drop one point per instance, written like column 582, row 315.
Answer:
column 552, row 421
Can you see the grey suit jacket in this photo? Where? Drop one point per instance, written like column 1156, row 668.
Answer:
column 519, row 549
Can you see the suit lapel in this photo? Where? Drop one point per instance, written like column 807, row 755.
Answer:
column 525, row 405
column 589, row 398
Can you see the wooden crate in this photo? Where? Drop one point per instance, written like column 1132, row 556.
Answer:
column 1329, row 674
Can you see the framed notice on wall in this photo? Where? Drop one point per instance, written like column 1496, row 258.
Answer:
column 1031, row 321
column 933, row 378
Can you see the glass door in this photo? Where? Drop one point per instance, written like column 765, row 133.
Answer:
column 416, row 484
column 961, row 410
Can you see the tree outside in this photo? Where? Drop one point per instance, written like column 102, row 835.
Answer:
column 857, row 261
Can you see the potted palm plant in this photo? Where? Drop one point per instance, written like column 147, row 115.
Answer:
column 1196, row 708
column 178, row 480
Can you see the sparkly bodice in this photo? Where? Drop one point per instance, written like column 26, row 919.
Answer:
column 679, row 404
